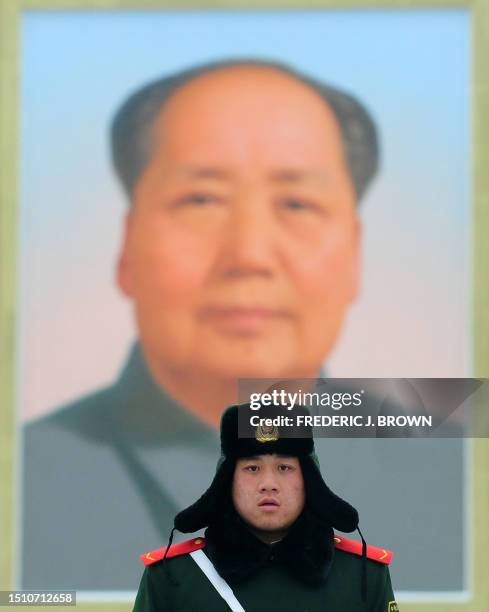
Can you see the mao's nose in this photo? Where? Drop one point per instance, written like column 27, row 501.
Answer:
column 249, row 240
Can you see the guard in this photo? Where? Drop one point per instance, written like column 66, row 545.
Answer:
column 269, row 543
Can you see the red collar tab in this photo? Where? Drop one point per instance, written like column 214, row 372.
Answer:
column 382, row 555
column 181, row 548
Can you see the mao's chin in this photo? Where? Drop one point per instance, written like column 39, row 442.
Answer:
column 255, row 358
column 278, row 351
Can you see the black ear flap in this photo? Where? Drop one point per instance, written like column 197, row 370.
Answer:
column 201, row 513
column 323, row 503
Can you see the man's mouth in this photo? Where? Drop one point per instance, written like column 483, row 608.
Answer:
column 269, row 503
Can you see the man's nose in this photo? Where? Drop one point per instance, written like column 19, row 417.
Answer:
column 249, row 242
column 268, row 482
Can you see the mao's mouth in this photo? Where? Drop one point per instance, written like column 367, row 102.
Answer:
column 251, row 311
column 245, row 320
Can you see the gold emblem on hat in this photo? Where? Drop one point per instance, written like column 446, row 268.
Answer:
column 266, row 433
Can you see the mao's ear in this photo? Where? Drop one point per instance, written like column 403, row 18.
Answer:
column 356, row 263
column 124, row 262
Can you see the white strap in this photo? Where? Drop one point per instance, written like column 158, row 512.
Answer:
column 221, row 586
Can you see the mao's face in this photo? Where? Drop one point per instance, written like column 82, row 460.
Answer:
column 268, row 493
column 242, row 245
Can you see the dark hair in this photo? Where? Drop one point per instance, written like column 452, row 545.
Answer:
column 132, row 125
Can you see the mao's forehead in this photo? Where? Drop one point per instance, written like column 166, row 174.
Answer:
column 251, row 84
column 248, row 114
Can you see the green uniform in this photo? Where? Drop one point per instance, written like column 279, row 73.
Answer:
column 308, row 569
column 272, row 589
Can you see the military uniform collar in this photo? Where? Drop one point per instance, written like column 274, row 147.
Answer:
column 147, row 413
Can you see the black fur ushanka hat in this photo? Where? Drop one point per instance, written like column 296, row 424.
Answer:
column 239, row 438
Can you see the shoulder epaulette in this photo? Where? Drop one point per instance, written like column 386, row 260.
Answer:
column 181, row 548
column 382, row 555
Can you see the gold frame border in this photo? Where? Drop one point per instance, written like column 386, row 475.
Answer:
column 10, row 11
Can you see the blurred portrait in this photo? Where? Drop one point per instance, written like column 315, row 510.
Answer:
column 196, row 213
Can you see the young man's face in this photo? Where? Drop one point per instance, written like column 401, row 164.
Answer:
column 241, row 252
column 268, row 494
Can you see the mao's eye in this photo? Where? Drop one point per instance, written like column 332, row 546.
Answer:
column 199, row 199
column 296, row 204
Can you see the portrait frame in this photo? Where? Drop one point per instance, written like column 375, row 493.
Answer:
column 10, row 15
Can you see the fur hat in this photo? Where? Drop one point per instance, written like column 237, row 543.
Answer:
column 239, row 438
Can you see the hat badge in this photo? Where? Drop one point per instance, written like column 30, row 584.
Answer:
column 266, row 433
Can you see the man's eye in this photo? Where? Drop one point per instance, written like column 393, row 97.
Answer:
column 251, row 468
column 284, row 468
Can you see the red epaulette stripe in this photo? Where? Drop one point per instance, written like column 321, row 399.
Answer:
column 382, row 555
column 181, row 548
